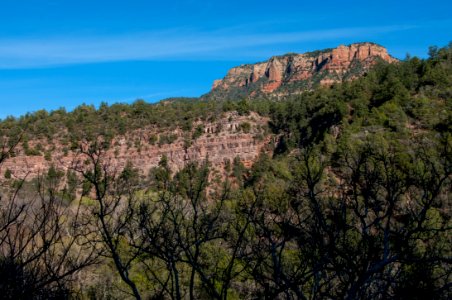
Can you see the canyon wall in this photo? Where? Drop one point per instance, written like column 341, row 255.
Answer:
column 223, row 140
column 226, row 138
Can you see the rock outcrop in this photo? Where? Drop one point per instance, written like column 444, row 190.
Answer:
column 293, row 73
column 222, row 141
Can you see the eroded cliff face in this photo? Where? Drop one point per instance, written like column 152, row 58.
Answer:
column 223, row 140
column 292, row 73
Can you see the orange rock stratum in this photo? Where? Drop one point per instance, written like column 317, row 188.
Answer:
column 292, row 73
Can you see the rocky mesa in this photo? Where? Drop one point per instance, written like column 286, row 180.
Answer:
column 293, row 73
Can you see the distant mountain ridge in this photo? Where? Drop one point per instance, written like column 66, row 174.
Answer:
column 293, row 73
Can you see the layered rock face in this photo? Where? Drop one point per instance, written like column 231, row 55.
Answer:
column 293, row 73
column 222, row 141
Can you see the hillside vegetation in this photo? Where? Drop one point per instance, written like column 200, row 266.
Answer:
column 354, row 202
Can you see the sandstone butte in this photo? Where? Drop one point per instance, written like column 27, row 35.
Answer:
column 293, row 73
column 223, row 140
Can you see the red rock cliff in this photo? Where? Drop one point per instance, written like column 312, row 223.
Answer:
column 296, row 72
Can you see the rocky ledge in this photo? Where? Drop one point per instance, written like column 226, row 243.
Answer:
column 221, row 141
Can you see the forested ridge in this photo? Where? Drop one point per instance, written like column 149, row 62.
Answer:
column 354, row 202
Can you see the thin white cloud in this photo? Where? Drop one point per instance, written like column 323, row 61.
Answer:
column 168, row 44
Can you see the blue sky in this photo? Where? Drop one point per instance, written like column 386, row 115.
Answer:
column 58, row 53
